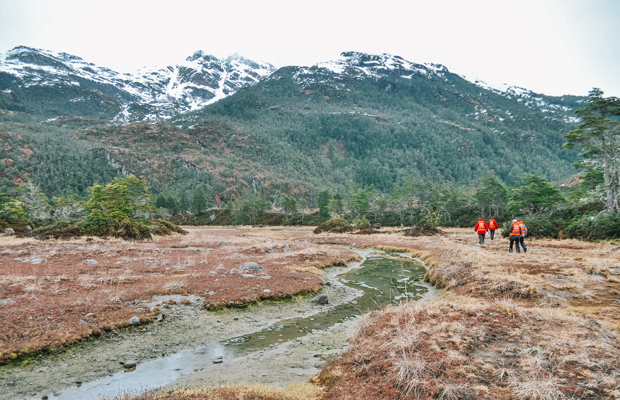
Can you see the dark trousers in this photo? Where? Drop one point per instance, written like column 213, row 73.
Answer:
column 480, row 239
column 522, row 244
column 514, row 240
column 492, row 233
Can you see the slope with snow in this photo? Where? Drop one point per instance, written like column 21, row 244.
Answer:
column 150, row 94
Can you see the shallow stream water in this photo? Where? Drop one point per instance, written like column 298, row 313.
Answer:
column 382, row 278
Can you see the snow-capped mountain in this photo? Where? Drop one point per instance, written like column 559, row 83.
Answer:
column 27, row 74
column 355, row 65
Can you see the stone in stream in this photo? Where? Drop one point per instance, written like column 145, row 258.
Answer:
column 250, row 266
column 135, row 321
column 129, row 364
column 320, row 299
column 90, row 262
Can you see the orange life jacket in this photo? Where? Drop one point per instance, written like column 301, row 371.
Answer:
column 492, row 224
column 522, row 226
column 516, row 229
column 481, row 226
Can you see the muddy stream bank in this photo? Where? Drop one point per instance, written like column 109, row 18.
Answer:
column 276, row 344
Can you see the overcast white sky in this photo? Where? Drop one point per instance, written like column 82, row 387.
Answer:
column 549, row 46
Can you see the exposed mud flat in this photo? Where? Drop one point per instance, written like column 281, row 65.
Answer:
column 187, row 326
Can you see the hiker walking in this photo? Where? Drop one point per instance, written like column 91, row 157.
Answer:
column 514, row 235
column 492, row 227
column 523, row 235
column 482, row 228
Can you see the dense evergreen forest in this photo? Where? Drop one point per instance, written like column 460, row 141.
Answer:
column 394, row 146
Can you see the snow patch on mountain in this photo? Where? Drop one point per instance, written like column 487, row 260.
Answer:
column 197, row 81
column 361, row 65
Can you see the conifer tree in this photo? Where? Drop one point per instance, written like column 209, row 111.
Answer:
column 199, row 200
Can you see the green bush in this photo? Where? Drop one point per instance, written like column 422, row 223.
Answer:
column 595, row 227
column 541, row 226
column 338, row 225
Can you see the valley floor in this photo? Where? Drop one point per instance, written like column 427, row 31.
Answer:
column 542, row 324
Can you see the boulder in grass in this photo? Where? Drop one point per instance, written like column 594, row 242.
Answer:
column 90, row 262
column 130, row 364
column 9, row 232
column 135, row 321
column 250, row 266
column 247, row 276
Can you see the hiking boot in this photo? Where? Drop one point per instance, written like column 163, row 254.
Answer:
column 525, row 250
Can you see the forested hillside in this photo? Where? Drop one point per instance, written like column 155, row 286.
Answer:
column 366, row 120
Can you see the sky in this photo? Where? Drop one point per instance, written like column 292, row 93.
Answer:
column 554, row 47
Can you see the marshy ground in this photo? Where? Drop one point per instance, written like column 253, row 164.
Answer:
column 542, row 324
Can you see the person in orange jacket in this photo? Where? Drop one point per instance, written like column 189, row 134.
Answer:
column 523, row 234
column 492, row 227
column 482, row 228
column 514, row 232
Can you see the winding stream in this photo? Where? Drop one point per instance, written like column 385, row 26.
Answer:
column 382, row 279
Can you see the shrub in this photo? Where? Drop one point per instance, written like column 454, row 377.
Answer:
column 164, row 228
column 595, row 227
column 337, row 225
column 541, row 226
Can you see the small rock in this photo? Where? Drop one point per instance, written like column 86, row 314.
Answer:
column 4, row 302
column 247, row 276
column 28, row 227
column 129, row 364
column 36, row 261
column 320, row 299
column 221, row 243
column 83, row 322
column 124, row 242
column 250, row 266
column 328, row 283
column 135, row 321
column 265, row 277
column 236, row 318
column 139, row 310
column 90, row 262
column 234, row 271
column 213, row 272
column 9, row 232
column 232, row 302
column 44, row 398
column 266, row 291
column 160, row 317
column 219, row 357
column 218, row 361
column 286, row 249
column 90, row 315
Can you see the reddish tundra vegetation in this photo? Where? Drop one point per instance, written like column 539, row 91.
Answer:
column 536, row 325
column 54, row 293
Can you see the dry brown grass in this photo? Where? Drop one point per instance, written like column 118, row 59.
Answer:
column 298, row 391
column 461, row 346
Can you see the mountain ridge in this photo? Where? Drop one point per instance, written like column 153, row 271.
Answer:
column 361, row 119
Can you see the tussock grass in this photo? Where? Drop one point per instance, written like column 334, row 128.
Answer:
column 298, row 391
